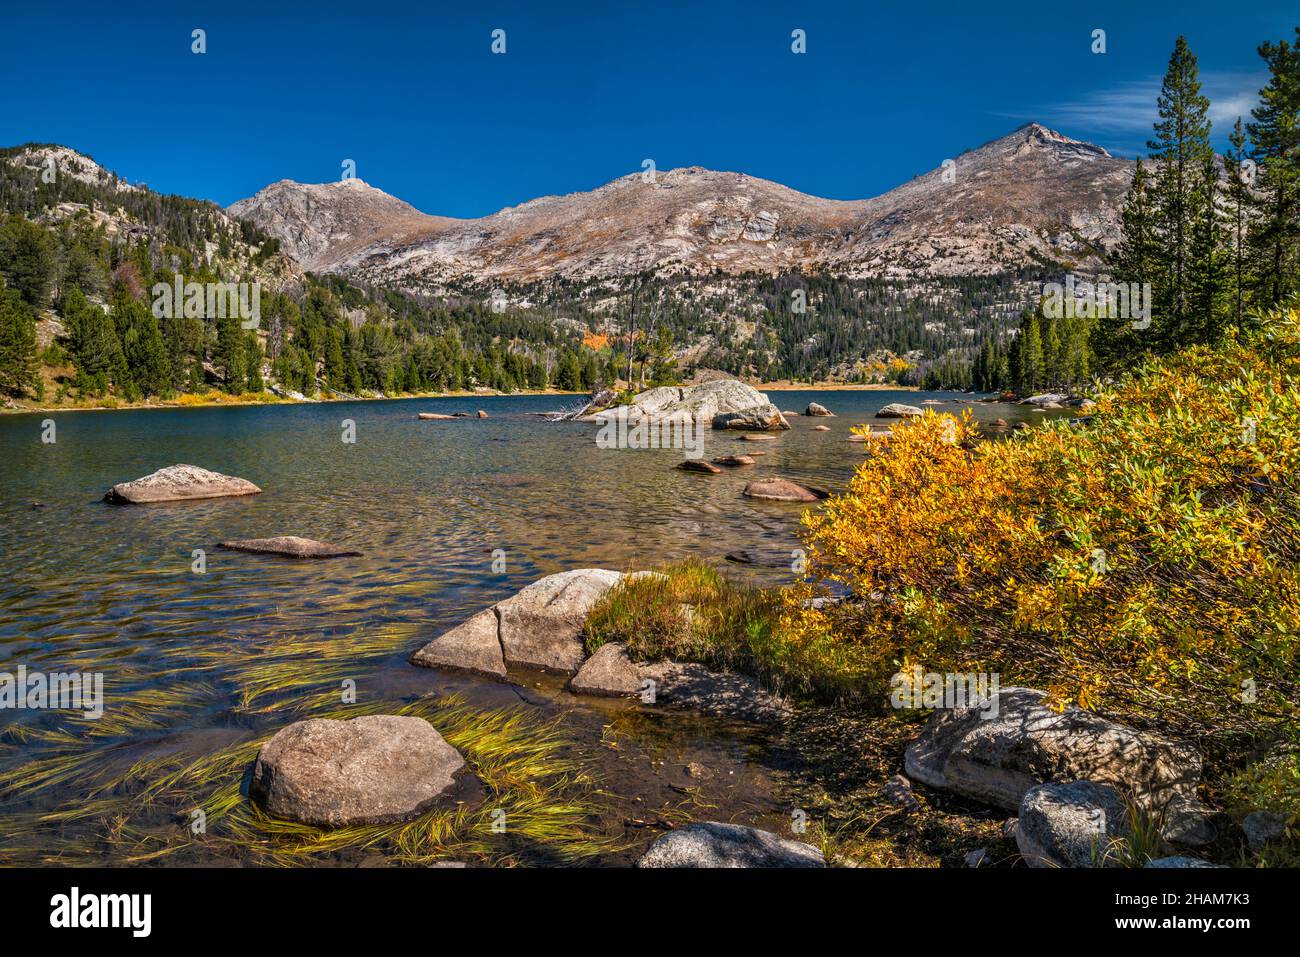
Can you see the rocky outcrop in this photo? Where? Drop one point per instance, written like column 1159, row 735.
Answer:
column 897, row 410
column 724, row 403
column 779, row 490
column 290, row 546
column 178, row 483
column 1070, row 824
column 1031, row 196
column 815, row 408
column 375, row 769
column 996, row 759
column 712, row 844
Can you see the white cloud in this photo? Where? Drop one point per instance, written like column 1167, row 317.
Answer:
column 1127, row 111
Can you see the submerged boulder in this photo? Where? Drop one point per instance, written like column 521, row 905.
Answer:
column 996, row 754
column 177, row 483
column 290, row 546
column 375, row 769
column 733, row 461
column 713, row 844
column 434, row 415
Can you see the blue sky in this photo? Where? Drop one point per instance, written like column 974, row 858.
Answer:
column 586, row 92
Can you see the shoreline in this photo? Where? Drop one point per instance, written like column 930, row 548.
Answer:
column 204, row 402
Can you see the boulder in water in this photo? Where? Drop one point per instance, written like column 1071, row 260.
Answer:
column 178, row 483
column 897, row 410
column 779, row 490
column 376, row 769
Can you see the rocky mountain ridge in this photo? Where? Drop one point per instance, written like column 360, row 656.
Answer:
column 1032, row 197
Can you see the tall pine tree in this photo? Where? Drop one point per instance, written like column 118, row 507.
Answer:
column 1179, row 149
column 1275, row 141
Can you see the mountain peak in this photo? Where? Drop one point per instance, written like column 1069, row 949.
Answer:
column 1031, row 196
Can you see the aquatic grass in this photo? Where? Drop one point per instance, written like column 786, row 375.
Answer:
column 142, row 814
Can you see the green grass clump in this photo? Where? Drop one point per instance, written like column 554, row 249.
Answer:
column 688, row 611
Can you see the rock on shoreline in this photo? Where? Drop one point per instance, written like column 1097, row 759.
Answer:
column 713, row 844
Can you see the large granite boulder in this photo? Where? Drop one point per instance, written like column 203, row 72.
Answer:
column 708, row 402
column 897, row 410
column 290, row 546
column 375, row 769
column 816, row 408
column 474, row 646
column 997, row 756
column 712, row 844
column 1070, row 825
column 178, row 483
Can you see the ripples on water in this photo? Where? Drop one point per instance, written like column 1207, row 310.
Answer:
column 426, row 501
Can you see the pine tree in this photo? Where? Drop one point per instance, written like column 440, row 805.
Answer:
column 228, row 356
column 1238, row 193
column 1135, row 260
column 1208, row 274
column 96, row 348
column 1274, row 235
column 17, row 343
column 253, row 363
column 142, row 346
column 27, row 260
column 1179, row 147
column 1029, row 355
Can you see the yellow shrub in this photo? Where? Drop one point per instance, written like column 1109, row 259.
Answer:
column 1144, row 560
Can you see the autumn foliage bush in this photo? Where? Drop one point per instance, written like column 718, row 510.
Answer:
column 1143, row 561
